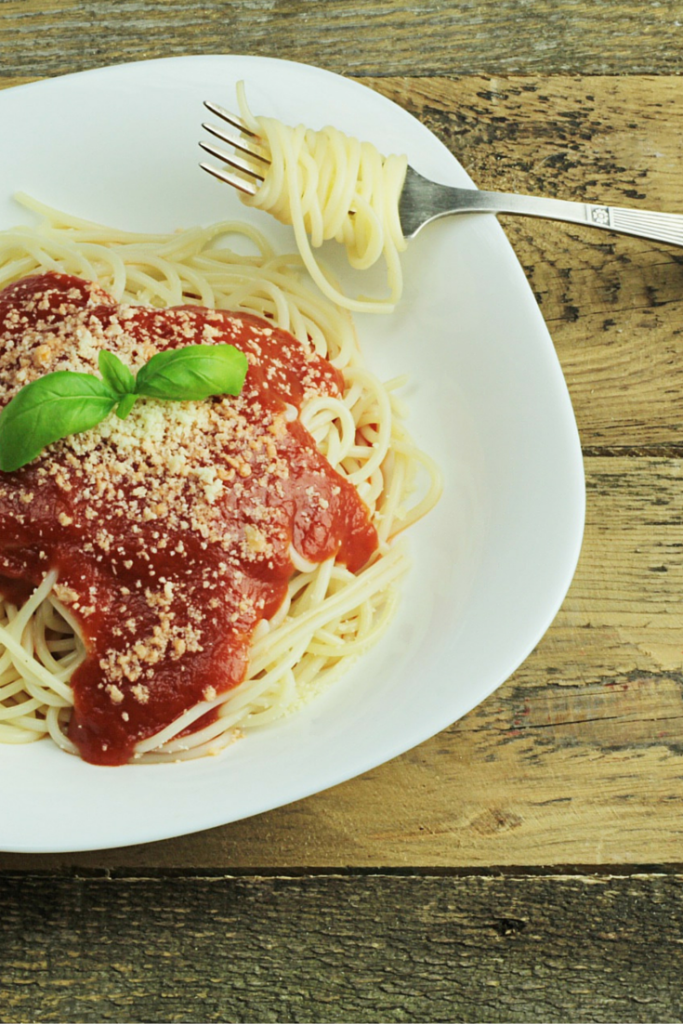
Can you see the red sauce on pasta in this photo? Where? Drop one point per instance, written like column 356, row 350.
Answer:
column 170, row 531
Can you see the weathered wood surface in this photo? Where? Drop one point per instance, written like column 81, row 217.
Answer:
column 393, row 949
column 375, row 37
column 578, row 759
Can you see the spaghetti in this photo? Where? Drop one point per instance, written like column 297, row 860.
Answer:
column 329, row 615
column 328, row 185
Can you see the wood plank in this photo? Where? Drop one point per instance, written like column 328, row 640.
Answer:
column 7, row 83
column 46, row 37
column 577, row 759
column 342, row 949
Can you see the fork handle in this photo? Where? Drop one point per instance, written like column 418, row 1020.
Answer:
column 659, row 227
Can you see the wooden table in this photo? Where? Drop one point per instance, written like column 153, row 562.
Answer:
column 524, row 864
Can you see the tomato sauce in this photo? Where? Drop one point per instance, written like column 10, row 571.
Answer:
column 171, row 532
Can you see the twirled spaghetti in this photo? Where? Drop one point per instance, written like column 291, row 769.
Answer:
column 328, row 185
column 330, row 615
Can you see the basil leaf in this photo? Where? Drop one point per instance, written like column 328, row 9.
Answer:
column 48, row 409
column 193, row 373
column 116, row 374
column 65, row 403
column 125, row 405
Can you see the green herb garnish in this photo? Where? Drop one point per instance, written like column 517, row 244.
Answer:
column 192, row 374
column 119, row 378
column 64, row 403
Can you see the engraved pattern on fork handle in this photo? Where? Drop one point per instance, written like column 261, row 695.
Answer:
column 658, row 227
column 655, row 226
column 600, row 215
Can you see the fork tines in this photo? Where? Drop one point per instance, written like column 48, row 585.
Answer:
column 234, row 140
column 232, row 160
column 229, row 158
column 232, row 119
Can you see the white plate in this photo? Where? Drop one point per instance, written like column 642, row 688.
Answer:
column 491, row 564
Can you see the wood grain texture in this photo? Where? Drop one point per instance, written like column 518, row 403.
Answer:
column 577, row 759
column 365, row 37
column 341, row 949
column 7, row 83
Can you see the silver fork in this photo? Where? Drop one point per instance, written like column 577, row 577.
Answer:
column 423, row 201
